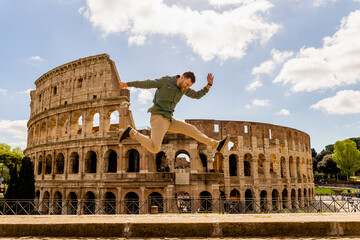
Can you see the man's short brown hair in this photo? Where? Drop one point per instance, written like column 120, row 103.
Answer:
column 191, row 75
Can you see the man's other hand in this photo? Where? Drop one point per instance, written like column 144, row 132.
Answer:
column 123, row 85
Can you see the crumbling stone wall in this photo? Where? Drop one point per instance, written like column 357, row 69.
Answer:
column 77, row 157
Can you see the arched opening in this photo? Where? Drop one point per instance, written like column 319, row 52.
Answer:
column 261, row 163
column 72, row 203
column 57, row 203
column 293, row 199
column 285, row 198
column 305, row 198
column 111, row 160
column 282, row 163
column 291, row 166
column 131, row 203
column 234, row 203
column 40, row 165
column 133, row 157
column 183, row 201
column 90, row 162
column 161, row 162
column 275, row 200
column 156, row 199
column 218, row 162
column 48, row 164
column 110, row 203
column 96, row 123
column 247, row 164
column 43, row 132
column 76, row 127
column 46, row 203
column 182, row 160
column 233, row 165
column 298, row 167
column 63, row 126
column 248, row 200
column 231, row 146
column 89, row 203
column 60, row 160
column 114, row 121
column 205, row 202
column 203, row 159
column 74, row 162
column 299, row 197
column 263, row 201
column 52, row 128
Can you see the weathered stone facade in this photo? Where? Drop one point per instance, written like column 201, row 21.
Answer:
column 76, row 156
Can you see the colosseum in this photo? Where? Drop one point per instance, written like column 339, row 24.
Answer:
column 77, row 113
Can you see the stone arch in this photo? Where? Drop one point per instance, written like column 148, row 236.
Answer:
column 90, row 162
column 283, row 168
column 52, row 128
column 183, row 201
column 72, row 206
column 156, row 199
column 298, row 168
column 293, row 199
column 261, row 164
column 161, row 162
column 249, row 197
column 63, row 126
column 218, row 162
column 133, row 160
column 110, row 203
column 40, row 165
column 233, row 165
column 77, row 125
column 234, row 195
column 113, row 120
column 43, row 132
column 48, row 164
column 59, row 164
column 131, row 202
column 74, row 163
column 57, row 205
column 205, row 201
column 273, row 163
column 89, row 203
column 46, row 201
column 275, row 200
column 247, row 164
column 234, row 204
column 285, row 198
column 111, row 160
column 95, row 122
column 263, row 200
column 203, row 159
column 182, row 160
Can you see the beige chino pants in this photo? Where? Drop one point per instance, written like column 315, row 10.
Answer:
column 160, row 125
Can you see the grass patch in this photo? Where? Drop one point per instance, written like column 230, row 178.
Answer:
column 325, row 191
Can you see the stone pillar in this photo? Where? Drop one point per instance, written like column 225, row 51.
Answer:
column 143, row 208
column 120, row 208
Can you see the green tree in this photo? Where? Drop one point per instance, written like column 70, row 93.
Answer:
column 328, row 165
column 347, row 157
column 26, row 187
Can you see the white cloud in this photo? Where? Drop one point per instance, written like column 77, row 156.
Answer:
column 27, row 91
column 283, row 112
column 269, row 65
column 254, row 85
column 344, row 102
column 36, row 58
column 136, row 40
column 318, row 3
column 144, row 96
column 222, row 3
column 258, row 103
column 336, row 63
column 3, row 91
column 209, row 33
column 16, row 128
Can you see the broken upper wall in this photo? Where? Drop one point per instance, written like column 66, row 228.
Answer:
column 264, row 133
column 83, row 80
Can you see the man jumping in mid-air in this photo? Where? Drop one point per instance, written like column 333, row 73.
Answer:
column 170, row 90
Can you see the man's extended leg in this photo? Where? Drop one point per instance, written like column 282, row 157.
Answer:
column 190, row 130
column 159, row 126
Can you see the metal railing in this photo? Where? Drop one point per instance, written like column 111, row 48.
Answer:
column 177, row 205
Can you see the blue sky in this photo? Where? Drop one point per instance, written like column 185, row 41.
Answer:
column 289, row 63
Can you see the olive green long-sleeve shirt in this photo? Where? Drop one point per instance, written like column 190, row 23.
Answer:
column 167, row 95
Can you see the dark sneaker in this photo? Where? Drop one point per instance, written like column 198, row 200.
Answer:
column 125, row 134
column 223, row 143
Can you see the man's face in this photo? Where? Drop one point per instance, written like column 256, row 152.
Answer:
column 185, row 83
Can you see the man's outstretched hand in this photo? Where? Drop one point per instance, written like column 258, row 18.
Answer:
column 123, row 85
column 210, row 80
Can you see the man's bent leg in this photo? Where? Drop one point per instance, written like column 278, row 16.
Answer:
column 190, row 130
column 159, row 126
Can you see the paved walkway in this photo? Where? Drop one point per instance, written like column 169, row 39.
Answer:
column 269, row 226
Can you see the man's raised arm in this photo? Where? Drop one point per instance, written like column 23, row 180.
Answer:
column 143, row 84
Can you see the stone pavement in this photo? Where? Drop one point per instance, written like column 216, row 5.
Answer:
column 172, row 226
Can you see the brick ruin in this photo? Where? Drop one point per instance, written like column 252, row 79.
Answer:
column 77, row 111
